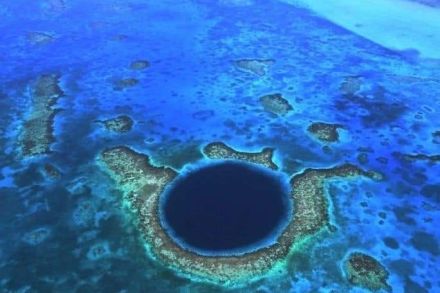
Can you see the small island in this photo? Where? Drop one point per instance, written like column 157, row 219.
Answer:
column 37, row 131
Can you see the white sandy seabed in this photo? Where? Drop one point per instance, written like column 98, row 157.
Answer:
column 394, row 24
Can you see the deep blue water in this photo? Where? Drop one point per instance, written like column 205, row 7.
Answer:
column 226, row 207
column 191, row 95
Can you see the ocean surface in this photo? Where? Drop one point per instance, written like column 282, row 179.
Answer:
column 319, row 85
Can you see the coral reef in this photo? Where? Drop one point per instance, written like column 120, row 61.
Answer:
column 139, row 64
column 219, row 150
column 143, row 183
column 39, row 38
column 135, row 174
column 54, row 6
column 310, row 202
column 36, row 236
column 119, row 124
column 276, row 104
column 255, row 66
column 78, row 186
column 325, row 132
column 203, row 115
column 51, row 171
column 350, row 85
column 436, row 137
column 364, row 271
column 121, row 84
column 417, row 157
column 37, row 131
column 84, row 213
column 99, row 251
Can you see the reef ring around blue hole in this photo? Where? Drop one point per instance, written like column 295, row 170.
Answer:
column 226, row 208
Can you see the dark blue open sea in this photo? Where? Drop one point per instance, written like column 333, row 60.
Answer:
column 318, row 120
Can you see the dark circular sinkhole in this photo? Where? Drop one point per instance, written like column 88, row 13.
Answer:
column 226, row 208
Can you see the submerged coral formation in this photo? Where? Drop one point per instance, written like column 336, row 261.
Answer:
column 84, row 213
column 36, row 236
column 325, row 132
column 436, row 137
column 119, row 124
column 139, row 64
column 416, row 157
column 143, row 184
column 37, row 131
column 39, row 38
column 121, row 84
column 55, row 6
column 51, row 171
column 99, row 251
column 255, row 66
column 276, row 104
column 350, row 85
column 364, row 271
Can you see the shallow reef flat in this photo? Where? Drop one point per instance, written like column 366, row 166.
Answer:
column 325, row 132
column 258, row 67
column 310, row 201
column 119, row 124
column 417, row 157
column 276, row 104
column 219, row 150
column 143, row 184
column 365, row 271
column 37, row 131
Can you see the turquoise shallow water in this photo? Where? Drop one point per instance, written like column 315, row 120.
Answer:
column 73, row 234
